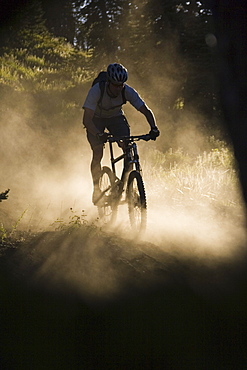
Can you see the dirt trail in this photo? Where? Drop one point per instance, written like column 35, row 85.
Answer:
column 91, row 300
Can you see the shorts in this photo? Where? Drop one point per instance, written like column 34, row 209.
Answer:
column 117, row 126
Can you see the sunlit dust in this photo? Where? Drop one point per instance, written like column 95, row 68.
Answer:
column 195, row 209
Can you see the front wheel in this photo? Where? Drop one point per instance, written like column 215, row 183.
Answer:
column 137, row 202
column 108, row 204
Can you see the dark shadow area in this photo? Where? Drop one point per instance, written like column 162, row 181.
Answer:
column 230, row 19
column 168, row 312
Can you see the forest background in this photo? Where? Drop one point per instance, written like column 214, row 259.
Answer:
column 186, row 281
column 51, row 51
column 56, row 49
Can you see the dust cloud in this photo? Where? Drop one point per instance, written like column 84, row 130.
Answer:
column 47, row 168
column 46, row 165
column 45, row 162
column 175, row 293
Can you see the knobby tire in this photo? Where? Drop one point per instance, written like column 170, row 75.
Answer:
column 107, row 209
column 137, row 204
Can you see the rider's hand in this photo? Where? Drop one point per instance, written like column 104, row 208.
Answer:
column 102, row 136
column 154, row 132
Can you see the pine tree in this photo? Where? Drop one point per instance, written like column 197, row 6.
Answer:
column 60, row 18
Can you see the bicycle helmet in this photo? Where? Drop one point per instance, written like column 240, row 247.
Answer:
column 116, row 73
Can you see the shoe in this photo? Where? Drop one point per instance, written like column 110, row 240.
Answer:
column 97, row 197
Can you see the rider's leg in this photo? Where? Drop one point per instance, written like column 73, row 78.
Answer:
column 119, row 127
column 96, row 171
column 96, row 164
column 97, row 149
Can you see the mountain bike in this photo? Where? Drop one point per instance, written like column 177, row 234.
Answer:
column 128, row 189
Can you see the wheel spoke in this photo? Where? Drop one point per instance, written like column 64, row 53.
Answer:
column 107, row 208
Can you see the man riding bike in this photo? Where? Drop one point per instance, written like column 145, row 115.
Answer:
column 105, row 112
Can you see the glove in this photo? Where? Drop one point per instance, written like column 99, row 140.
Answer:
column 154, row 132
column 102, row 136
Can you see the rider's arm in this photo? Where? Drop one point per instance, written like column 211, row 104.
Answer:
column 149, row 115
column 88, row 121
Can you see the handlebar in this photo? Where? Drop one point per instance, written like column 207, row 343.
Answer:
column 113, row 139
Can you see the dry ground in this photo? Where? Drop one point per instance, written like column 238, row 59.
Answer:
column 85, row 299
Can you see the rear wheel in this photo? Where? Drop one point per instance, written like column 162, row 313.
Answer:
column 137, row 202
column 108, row 204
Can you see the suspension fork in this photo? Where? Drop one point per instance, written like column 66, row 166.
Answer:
column 136, row 157
column 112, row 158
column 132, row 158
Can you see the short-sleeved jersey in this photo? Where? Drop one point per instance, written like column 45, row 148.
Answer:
column 111, row 107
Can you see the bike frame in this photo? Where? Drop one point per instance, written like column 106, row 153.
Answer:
column 130, row 153
column 129, row 189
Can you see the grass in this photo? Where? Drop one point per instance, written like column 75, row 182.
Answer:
column 13, row 236
column 74, row 221
column 175, row 177
column 24, row 70
column 210, row 178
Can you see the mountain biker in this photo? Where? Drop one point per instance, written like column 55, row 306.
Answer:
column 108, row 114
